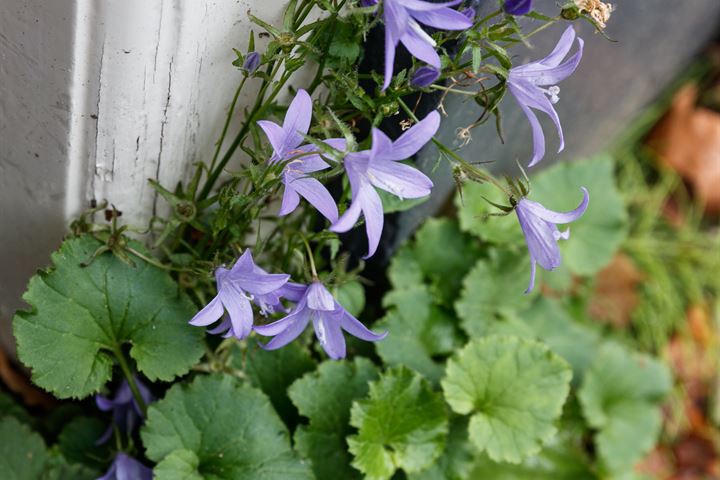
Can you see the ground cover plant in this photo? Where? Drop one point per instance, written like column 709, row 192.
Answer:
column 233, row 338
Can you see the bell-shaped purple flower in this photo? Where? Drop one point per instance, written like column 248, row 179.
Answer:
column 539, row 225
column 126, row 413
column 329, row 320
column 380, row 167
column 517, row 7
column 243, row 283
column 401, row 19
column 424, row 77
column 251, row 63
column 125, row 467
column 286, row 142
column 526, row 83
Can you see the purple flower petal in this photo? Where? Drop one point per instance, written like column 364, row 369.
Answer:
column 527, row 97
column 446, row 19
column 292, row 291
column 297, row 119
column 293, row 328
column 319, row 298
column 276, row 136
column 517, row 7
column 290, row 202
column 422, row 6
column 558, row 217
column 124, row 467
column 252, row 62
column 414, row 139
column 224, row 326
column 328, row 332
column 210, row 314
column 390, row 45
column 355, row 328
column 420, row 47
column 399, row 179
column 239, row 310
column 372, row 209
column 315, row 193
column 469, row 13
column 533, row 271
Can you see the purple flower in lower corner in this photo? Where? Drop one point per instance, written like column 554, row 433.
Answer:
column 539, row 225
column 126, row 413
column 401, row 19
column 379, row 168
column 517, row 7
column 286, row 142
column 424, row 77
column 329, row 320
column 526, row 83
column 125, row 467
column 237, row 287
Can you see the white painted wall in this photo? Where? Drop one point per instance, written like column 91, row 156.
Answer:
column 95, row 98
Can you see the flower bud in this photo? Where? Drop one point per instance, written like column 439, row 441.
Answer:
column 424, row 77
column 251, row 63
column 517, row 7
column 368, row 3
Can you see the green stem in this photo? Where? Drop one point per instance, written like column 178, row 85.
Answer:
column 227, row 123
column 131, row 380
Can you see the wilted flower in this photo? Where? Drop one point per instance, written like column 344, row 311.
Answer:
column 539, row 225
column 526, row 81
column 236, row 288
column 424, row 77
column 401, row 26
column 126, row 412
column 379, row 167
column 598, row 11
column 124, row 467
column 329, row 320
column 286, row 142
column 251, row 63
column 517, row 7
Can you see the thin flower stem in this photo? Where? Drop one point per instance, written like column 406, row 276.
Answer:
column 227, row 124
column 130, row 379
column 310, row 257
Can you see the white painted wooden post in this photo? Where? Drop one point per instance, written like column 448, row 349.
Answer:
column 95, row 98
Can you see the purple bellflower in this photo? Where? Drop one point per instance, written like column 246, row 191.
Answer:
column 517, row 7
column 424, row 76
column 526, row 83
column 125, row 467
column 401, row 19
column 539, row 225
column 329, row 320
column 379, row 167
column 286, row 142
column 126, row 413
column 236, row 287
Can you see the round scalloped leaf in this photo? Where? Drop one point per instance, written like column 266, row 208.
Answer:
column 81, row 316
column 325, row 397
column 403, row 424
column 231, row 429
column 514, row 389
column 23, row 455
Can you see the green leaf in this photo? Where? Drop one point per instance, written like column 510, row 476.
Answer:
column 598, row 234
column 325, row 397
column 473, row 212
column 232, row 429
column 179, row 465
column 514, row 389
column 89, row 314
column 404, row 270
column 457, row 459
column 8, row 407
column 351, row 295
column 273, row 372
column 403, row 424
column 443, row 251
column 23, row 455
column 619, row 397
column 419, row 332
column 494, row 287
column 557, row 461
column 78, row 442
